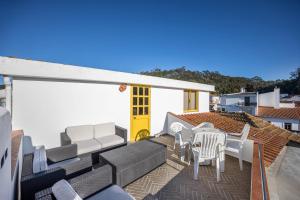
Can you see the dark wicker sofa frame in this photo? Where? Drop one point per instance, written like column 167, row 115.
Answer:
column 31, row 183
column 85, row 185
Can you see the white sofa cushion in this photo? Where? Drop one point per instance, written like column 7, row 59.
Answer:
column 39, row 160
column 62, row 190
column 105, row 129
column 110, row 140
column 78, row 133
column 85, row 146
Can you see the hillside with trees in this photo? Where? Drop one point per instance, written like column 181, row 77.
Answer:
column 228, row 84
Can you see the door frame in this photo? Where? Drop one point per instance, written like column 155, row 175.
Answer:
column 131, row 106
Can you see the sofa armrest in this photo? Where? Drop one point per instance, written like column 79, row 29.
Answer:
column 35, row 182
column 62, row 153
column 122, row 132
column 85, row 185
column 64, row 139
column 92, row 182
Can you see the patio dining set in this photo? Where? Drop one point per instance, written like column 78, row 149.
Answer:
column 209, row 144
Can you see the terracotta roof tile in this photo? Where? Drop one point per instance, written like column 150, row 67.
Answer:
column 273, row 138
column 16, row 138
column 284, row 113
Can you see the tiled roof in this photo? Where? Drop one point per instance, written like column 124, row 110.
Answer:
column 273, row 138
column 16, row 138
column 283, row 113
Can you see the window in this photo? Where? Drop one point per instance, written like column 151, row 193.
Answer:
column 247, row 101
column 288, row 126
column 140, row 100
column 190, row 101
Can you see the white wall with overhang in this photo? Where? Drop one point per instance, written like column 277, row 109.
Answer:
column 48, row 97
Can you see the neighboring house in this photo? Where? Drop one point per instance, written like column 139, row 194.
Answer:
column 239, row 102
column 278, row 111
column 214, row 101
column 47, row 97
column 290, row 101
column 287, row 118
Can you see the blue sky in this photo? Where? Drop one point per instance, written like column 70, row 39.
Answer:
column 238, row 38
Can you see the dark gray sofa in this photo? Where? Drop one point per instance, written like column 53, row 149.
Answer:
column 62, row 162
column 135, row 160
column 94, row 185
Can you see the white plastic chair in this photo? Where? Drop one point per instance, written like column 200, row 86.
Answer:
column 182, row 137
column 205, row 125
column 207, row 146
column 234, row 145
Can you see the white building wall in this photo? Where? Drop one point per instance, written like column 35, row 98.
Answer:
column 287, row 105
column 266, row 99
column 270, row 99
column 232, row 100
column 296, row 126
column 203, row 101
column 43, row 109
column 5, row 145
column 164, row 101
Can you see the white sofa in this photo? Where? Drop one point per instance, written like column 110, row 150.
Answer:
column 90, row 138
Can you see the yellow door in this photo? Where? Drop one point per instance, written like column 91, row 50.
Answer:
column 140, row 112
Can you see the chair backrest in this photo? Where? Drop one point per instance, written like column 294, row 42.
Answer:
column 176, row 128
column 206, row 143
column 245, row 132
column 206, row 125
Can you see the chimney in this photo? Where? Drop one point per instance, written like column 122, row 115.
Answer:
column 243, row 90
column 276, row 97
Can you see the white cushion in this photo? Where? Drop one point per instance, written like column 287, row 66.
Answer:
column 77, row 133
column 105, row 129
column 39, row 160
column 62, row 190
column 110, row 140
column 85, row 146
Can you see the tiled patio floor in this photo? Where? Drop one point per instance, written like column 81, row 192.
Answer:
column 174, row 180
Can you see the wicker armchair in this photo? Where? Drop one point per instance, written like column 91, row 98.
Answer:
column 85, row 185
column 62, row 163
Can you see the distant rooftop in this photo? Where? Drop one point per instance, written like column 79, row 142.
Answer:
column 283, row 113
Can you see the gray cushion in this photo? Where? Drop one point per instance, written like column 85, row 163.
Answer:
column 63, row 163
column 85, row 146
column 39, row 160
column 110, row 140
column 112, row 193
column 105, row 129
column 62, row 190
column 78, row 133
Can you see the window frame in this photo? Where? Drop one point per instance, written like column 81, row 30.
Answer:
column 196, row 101
column 287, row 124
